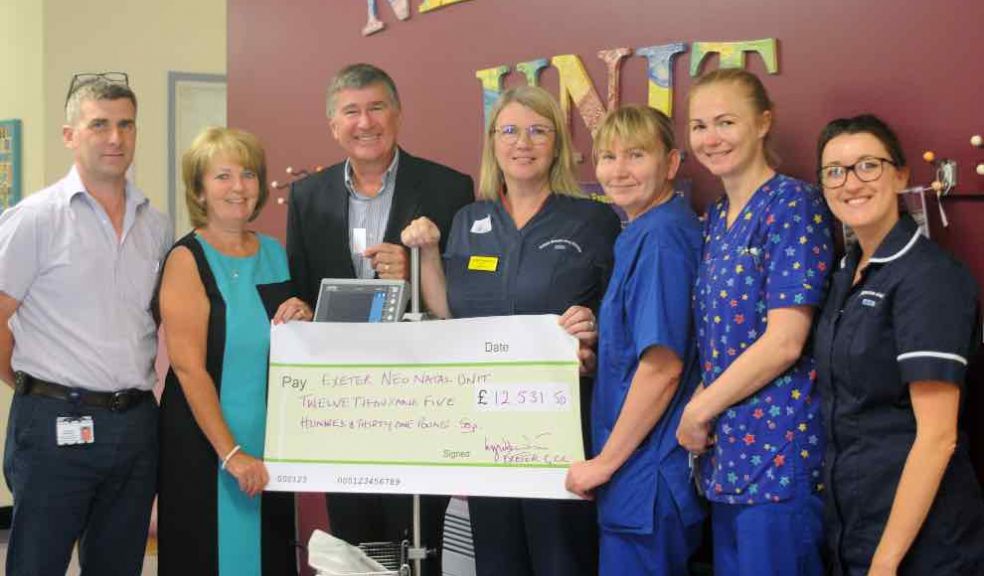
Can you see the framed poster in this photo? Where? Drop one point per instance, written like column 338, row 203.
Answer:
column 10, row 163
column 195, row 101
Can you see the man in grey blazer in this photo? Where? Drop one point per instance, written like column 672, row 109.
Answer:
column 345, row 222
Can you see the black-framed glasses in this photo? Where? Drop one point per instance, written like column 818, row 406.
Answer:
column 509, row 133
column 866, row 169
column 79, row 80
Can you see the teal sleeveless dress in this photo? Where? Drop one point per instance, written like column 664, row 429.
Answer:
column 217, row 529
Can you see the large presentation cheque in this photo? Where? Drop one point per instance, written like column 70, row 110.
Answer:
column 484, row 406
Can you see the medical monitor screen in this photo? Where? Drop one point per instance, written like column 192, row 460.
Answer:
column 360, row 301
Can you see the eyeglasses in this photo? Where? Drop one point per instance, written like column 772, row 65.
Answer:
column 509, row 134
column 866, row 170
column 80, row 80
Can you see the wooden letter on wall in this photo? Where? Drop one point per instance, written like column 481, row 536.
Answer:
column 428, row 5
column 400, row 7
column 733, row 54
column 532, row 69
column 576, row 87
column 660, row 65
column 613, row 61
column 491, row 79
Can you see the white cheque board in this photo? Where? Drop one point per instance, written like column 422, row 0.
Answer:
column 483, row 406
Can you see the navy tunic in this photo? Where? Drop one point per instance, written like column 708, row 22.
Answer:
column 911, row 317
column 562, row 257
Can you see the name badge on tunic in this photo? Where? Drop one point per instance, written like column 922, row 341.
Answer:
column 72, row 430
column 483, row 226
column 483, row 263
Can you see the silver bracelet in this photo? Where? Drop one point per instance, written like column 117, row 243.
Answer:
column 229, row 456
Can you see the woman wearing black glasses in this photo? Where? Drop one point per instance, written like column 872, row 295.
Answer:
column 891, row 346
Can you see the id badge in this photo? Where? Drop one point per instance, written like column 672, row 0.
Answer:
column 74, row 430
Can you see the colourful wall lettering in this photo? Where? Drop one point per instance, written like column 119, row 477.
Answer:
column 401, row 9
column 732, row 54
column 660, row 72
column 428, row 5
column 577, row 88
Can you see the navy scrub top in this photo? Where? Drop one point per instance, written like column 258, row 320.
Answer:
column 562, row 257
column 911, row 317
column 648, row 304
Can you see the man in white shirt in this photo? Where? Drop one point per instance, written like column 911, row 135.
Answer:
column 78, row 266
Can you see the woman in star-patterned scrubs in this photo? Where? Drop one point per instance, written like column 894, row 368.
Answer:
column 754, row 422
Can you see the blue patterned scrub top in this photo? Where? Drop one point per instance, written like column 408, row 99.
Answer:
column 776, row 254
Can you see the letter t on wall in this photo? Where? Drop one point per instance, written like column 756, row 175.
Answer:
column 733, row 54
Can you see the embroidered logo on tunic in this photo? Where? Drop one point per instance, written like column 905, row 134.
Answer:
column 871, row 298
column 561, row 244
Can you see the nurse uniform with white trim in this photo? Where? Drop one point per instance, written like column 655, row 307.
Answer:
column 911, row 317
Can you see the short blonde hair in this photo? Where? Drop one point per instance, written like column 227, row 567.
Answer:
column 562, row 179
column 211, row 143
column 635, row 126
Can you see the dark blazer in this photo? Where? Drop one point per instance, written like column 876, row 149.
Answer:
column 317, row 216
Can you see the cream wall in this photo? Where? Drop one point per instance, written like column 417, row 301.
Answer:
column 21, row 96
column 45, row 42
column 145, row 39
column 22, row 82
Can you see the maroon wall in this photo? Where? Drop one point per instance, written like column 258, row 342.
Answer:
column 918, row 64
column 920, row 67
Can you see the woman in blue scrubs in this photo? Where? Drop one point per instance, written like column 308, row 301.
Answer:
column 530, row 245
column 649, row 514
column 892, row 345
column 755, row 420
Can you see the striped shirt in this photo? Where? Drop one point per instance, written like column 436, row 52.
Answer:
column 369, row 213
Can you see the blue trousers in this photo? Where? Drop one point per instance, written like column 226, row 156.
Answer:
column 782, row 538
column 98, row 494
column 665, row 552
column 532, row 537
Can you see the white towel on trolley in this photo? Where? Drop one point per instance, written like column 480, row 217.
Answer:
column 332, row 556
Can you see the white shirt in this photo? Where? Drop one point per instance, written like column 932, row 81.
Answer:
column 84, row 318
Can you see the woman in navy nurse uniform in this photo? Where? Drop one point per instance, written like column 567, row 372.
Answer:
column 892, row 345
column 756, row 420
column 650, row 516
column 530, row 245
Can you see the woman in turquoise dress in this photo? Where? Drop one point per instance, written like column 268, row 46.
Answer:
column 218, row 284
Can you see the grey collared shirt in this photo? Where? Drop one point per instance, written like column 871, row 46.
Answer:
column 369, row 213
column 84, row 317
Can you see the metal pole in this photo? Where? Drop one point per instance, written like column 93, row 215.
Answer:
column 415, row 308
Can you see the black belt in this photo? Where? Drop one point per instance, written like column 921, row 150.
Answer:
column 115, row 401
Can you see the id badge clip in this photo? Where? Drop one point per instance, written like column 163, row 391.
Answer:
column 75, row 430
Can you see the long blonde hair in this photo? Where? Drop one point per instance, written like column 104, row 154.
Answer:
column 562, row 180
